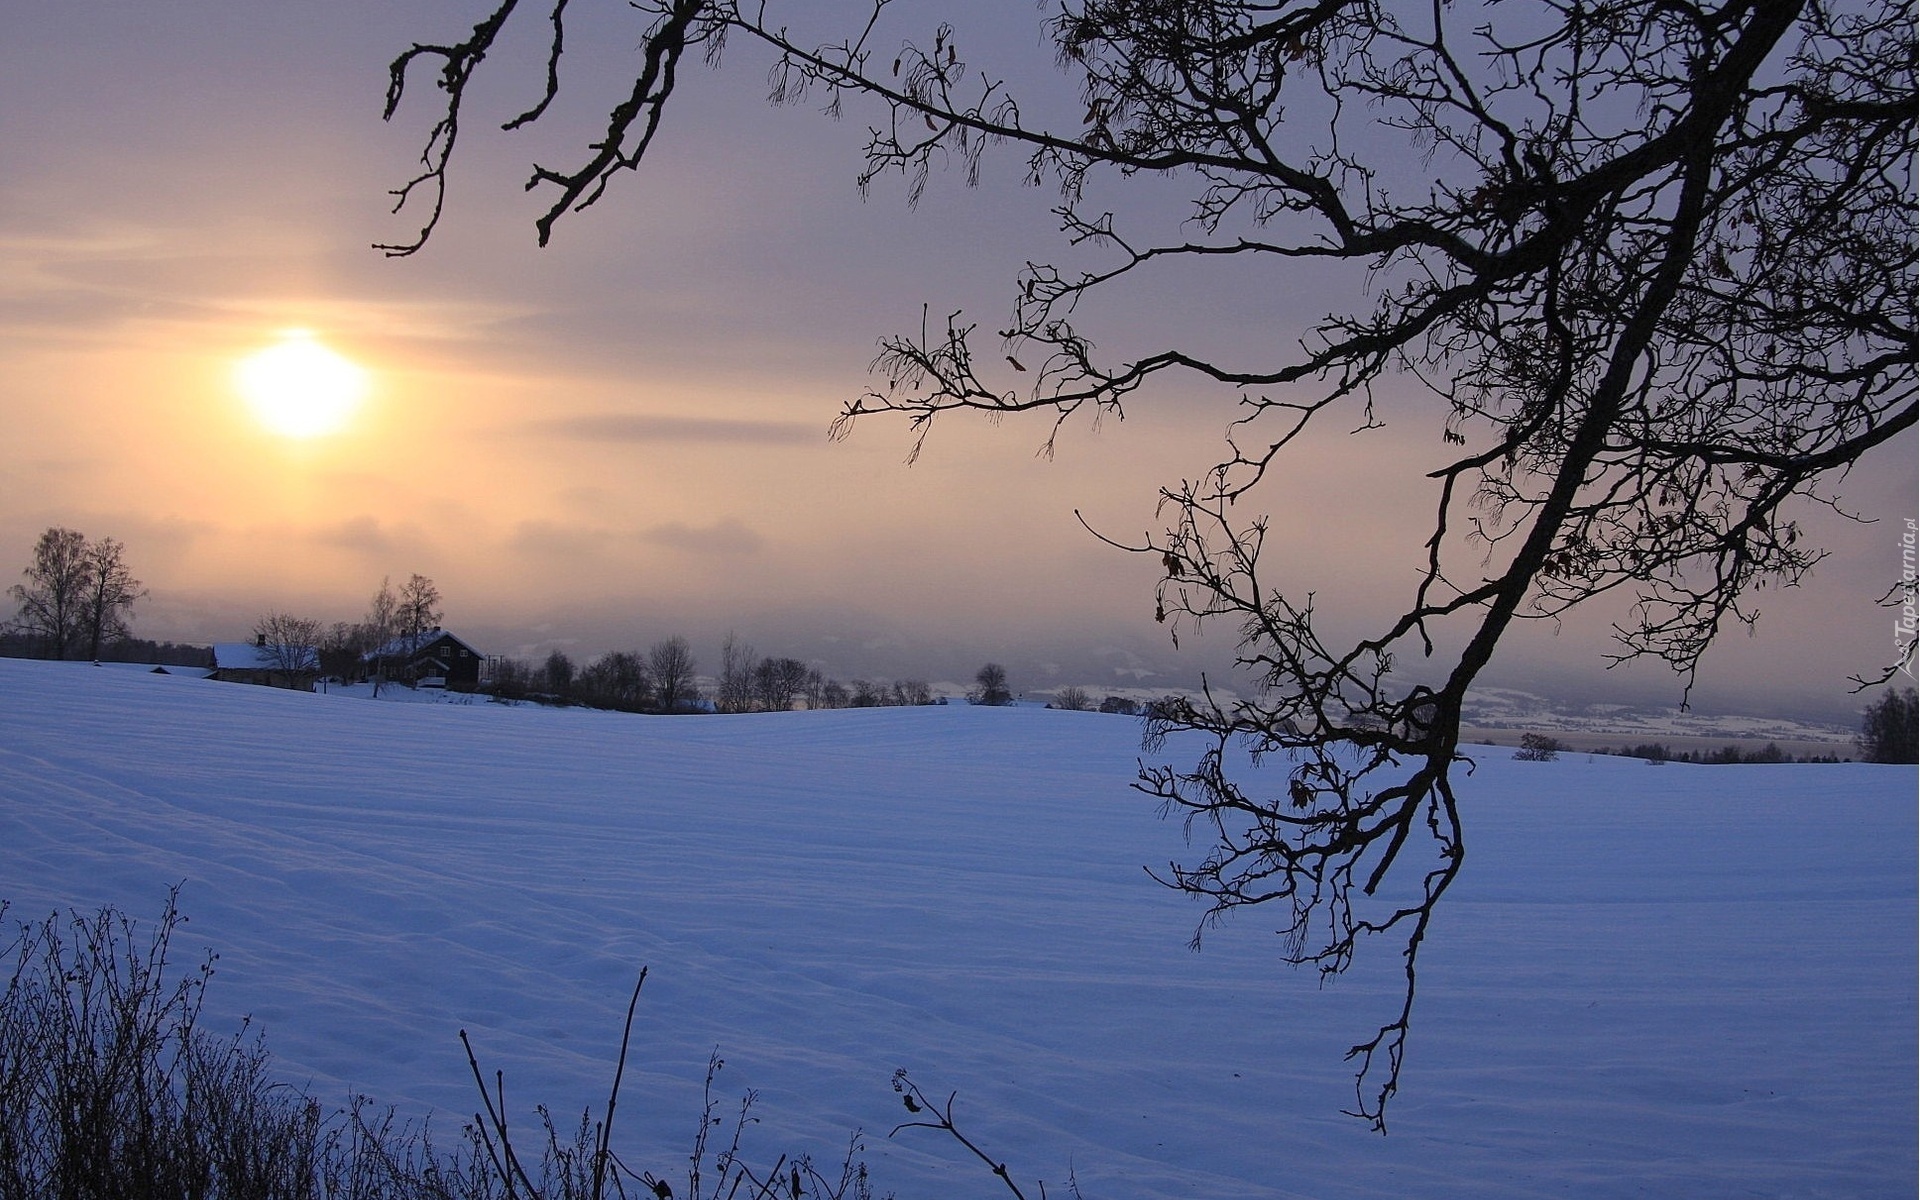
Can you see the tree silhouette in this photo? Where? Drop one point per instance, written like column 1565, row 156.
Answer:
column 1890, row 728
column 419, row 608
column 1650, row 262
column 990, row 686
column 671, row 666
column 77, row 594
column 289, row 645
column 110, row 594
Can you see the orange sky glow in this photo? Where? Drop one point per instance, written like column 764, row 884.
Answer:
column 623, row 436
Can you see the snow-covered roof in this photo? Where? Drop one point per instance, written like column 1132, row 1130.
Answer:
column 248, row 656
column 408, row 644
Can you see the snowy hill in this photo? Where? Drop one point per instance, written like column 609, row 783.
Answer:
column 1683, row 981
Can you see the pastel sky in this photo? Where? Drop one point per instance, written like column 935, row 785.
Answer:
column 623, row 436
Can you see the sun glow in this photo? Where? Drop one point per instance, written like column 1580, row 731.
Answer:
column 299, row 388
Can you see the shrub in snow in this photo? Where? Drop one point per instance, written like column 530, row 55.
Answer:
column 106, row 1081
column 990, row 686
column 1538, row 747
column 1073, row 699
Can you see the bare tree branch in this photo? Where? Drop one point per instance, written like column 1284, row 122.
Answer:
column 1651, row 260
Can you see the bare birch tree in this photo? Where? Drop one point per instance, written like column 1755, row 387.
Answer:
column 419, row 608
column 77, row 595
column 671, row 665
column 110, row 594
column 734, row 693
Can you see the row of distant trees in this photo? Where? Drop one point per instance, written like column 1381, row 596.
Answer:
column 77, row 596
column 1727, row 755
column 76, row 600
column 658, row 679
column 1540, row 747
column 665, row 678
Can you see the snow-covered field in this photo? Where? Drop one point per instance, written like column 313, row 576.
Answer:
column 1651, row 981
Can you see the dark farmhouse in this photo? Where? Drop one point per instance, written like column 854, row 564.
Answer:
column 432, row 658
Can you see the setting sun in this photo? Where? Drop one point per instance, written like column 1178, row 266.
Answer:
column 300, row 388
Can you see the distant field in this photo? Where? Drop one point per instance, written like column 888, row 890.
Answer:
column 1582, row 740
